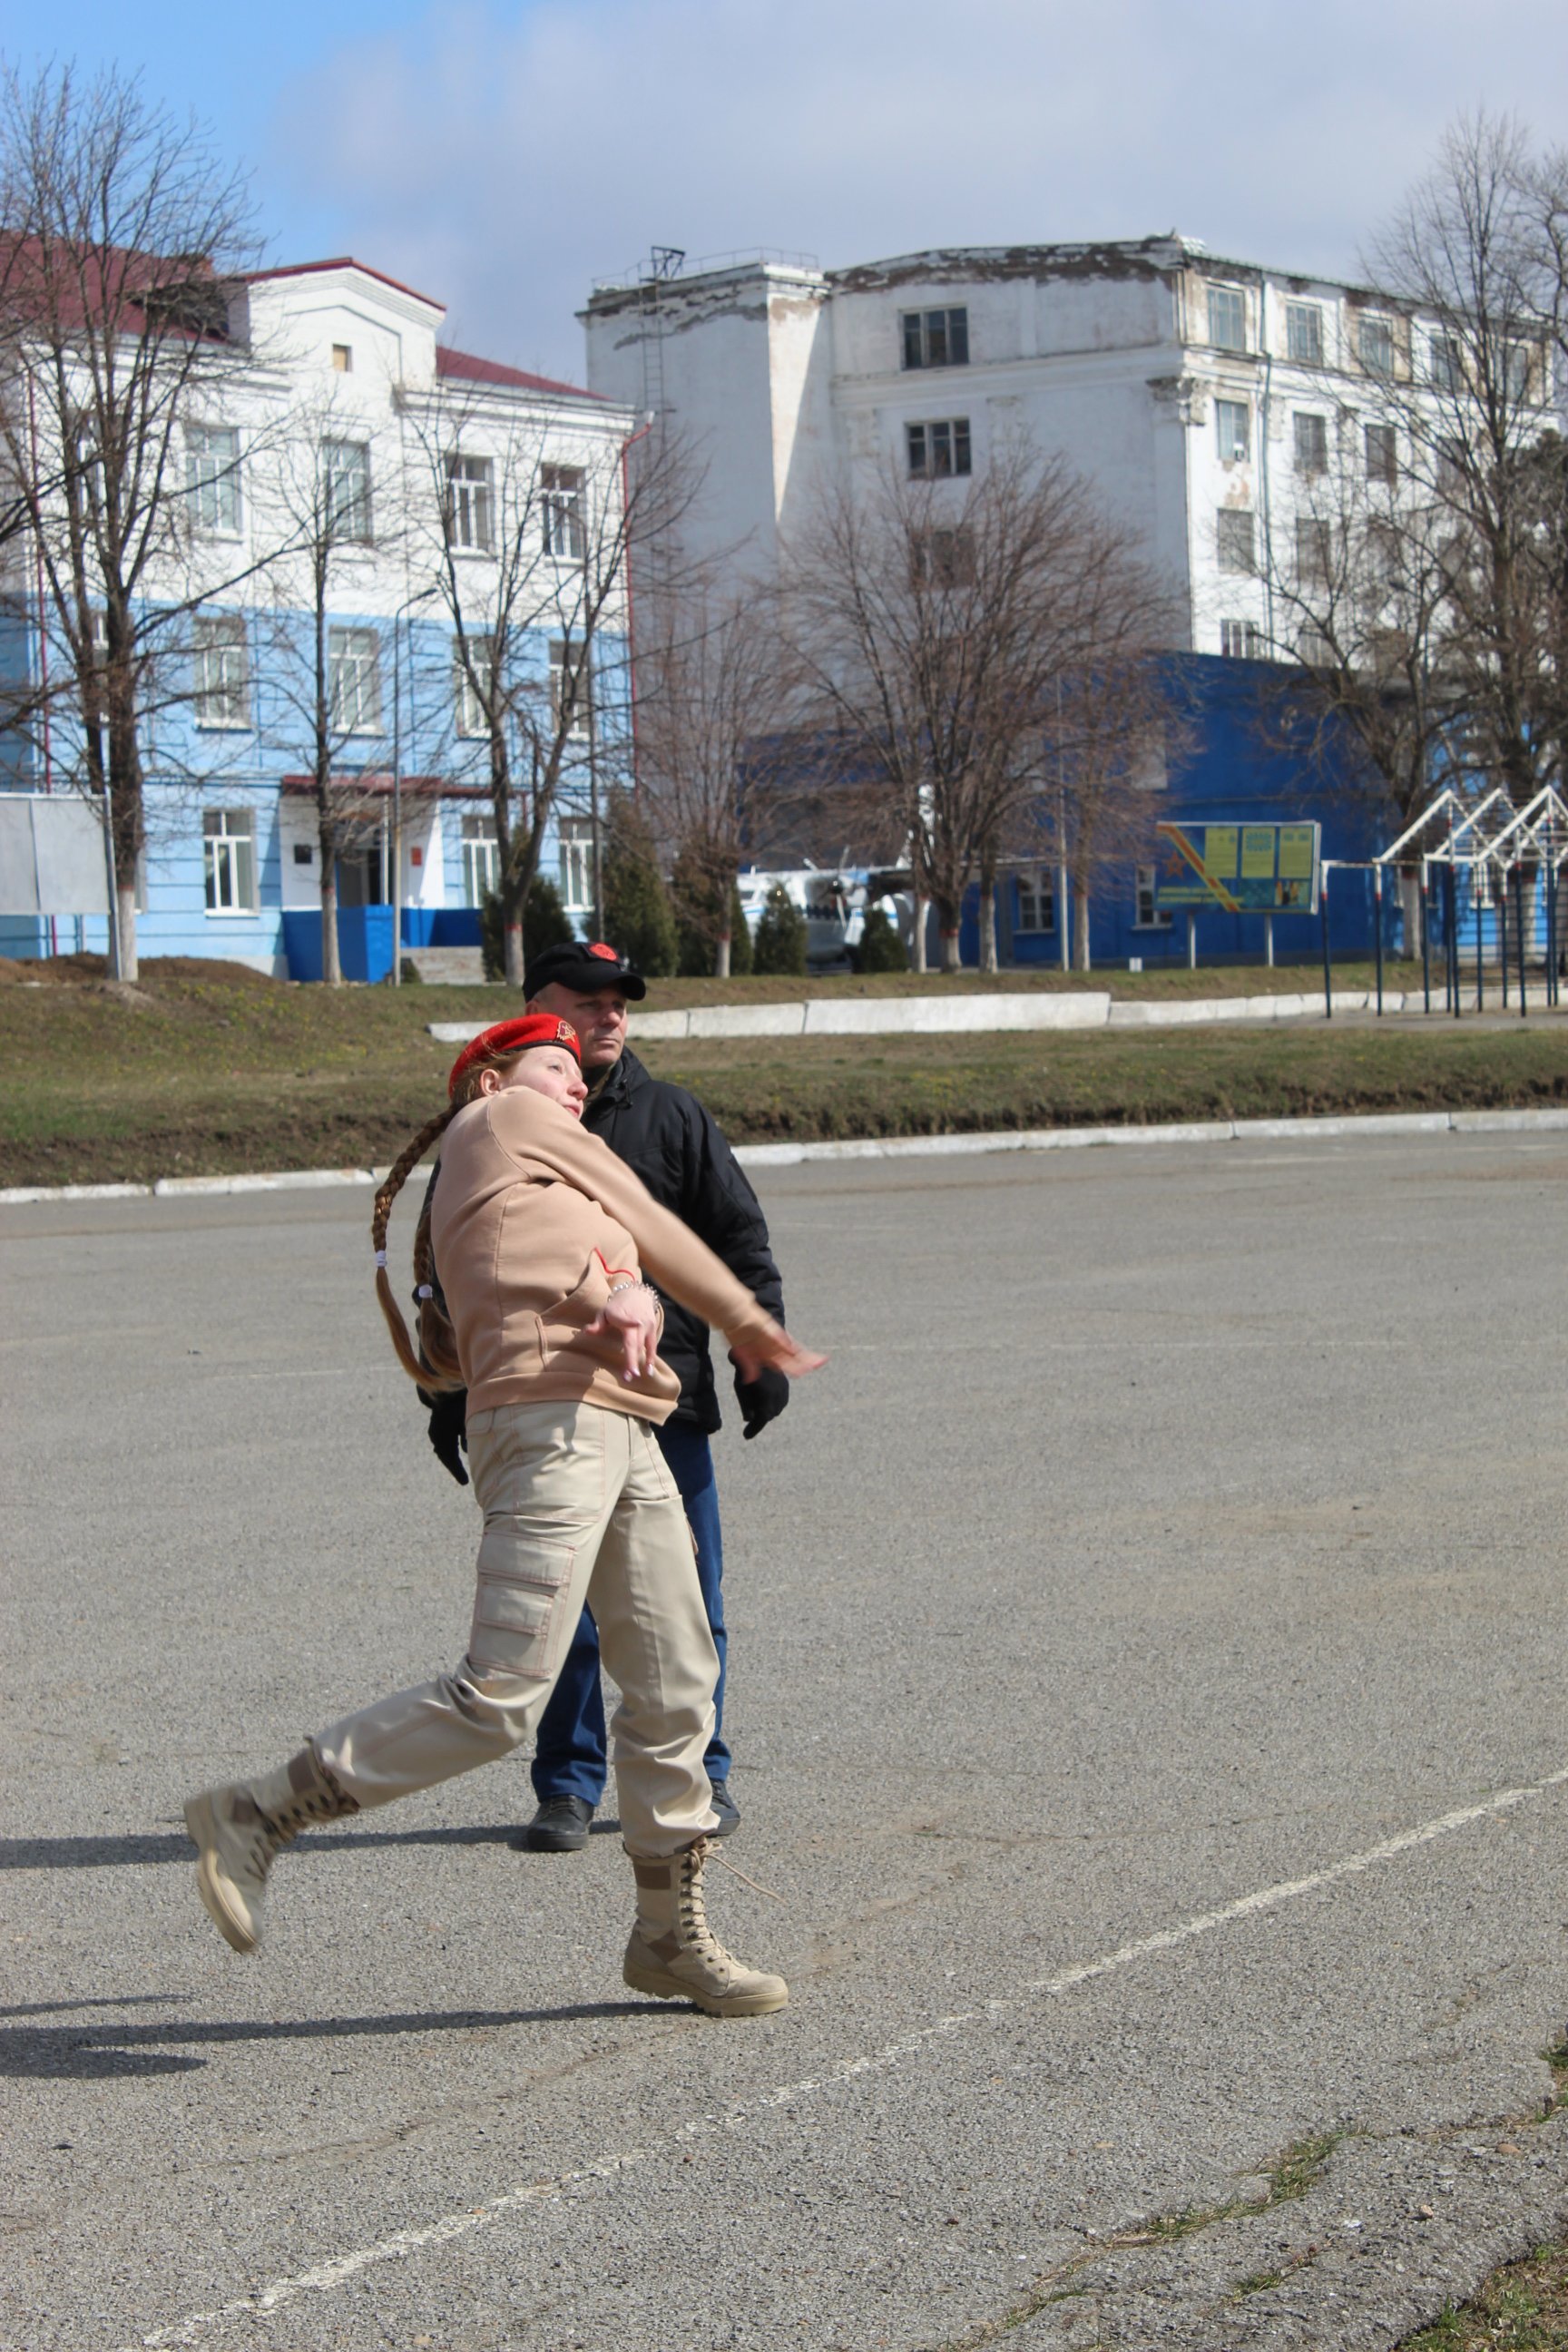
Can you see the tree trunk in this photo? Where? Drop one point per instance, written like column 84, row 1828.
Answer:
column 1080, row 927
column 722, row 957
column 918, row 937
column 332, row 962
column 1410, row 909
column 988, row 919
column 514, row 962
column 947, row 915
column 128, row 968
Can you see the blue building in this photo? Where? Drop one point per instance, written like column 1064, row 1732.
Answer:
column 469, row 519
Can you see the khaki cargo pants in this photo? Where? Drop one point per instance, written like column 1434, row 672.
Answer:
column 578, row 1506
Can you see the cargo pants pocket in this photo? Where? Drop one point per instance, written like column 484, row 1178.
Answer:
column 518, row 1625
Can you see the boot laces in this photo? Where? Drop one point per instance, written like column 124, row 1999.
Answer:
column 695, row 1932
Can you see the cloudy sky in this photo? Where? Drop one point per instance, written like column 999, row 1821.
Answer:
column 503, row 156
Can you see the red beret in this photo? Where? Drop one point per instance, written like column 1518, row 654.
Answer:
column 512, row 1038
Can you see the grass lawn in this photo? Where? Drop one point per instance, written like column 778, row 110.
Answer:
column 206, row 1068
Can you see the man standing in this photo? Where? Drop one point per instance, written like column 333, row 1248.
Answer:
column 663, row 1134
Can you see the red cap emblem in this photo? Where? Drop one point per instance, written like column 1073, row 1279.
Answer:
column 597, row 947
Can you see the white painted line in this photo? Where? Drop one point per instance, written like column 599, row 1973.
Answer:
column 321, row 2277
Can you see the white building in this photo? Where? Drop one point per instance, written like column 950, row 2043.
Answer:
column 330, row 377
column 1198, row 394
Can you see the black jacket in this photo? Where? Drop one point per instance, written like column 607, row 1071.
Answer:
column 668, row 1138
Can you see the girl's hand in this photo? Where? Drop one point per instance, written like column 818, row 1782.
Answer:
column 773, row 1346
column 631, row 1316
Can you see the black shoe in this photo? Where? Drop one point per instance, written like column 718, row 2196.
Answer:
column 728, row 1810
column 560, row 1826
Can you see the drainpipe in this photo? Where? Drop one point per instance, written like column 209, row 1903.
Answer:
column 44, row 642
column 1264, row 500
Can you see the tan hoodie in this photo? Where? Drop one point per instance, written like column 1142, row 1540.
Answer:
column 532, row 1220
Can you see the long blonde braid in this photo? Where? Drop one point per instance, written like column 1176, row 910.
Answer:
column 434, row 1363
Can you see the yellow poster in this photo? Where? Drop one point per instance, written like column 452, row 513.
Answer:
column 1257, row 852
column 1295, row 853
column 1219, row 852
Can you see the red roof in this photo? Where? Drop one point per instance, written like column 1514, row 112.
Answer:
column 470, row 369
column 341, row 261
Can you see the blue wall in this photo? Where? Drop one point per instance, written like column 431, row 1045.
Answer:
column 1235, row 768
column 192, row 768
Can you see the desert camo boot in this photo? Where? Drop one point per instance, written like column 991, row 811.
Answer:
column 238, row 1829
column 675, row 1955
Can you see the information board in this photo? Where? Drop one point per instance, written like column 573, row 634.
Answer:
column 1248, row 870
column 51, row 854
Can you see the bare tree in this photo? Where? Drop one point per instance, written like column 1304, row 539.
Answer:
column 934, row 627
column 712, row 752
column 118, row 228
column 1474, row 256
column 530, row 553
column 332, row 502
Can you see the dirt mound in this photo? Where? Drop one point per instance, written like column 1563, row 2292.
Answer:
column 40, row 970
column 92, row 970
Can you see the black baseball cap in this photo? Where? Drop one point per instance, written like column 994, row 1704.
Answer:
column 584, row 965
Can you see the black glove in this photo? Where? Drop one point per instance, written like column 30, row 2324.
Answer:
column 448, row 1429
column 762, row 1400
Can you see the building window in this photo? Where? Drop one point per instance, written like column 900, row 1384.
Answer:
column 469, row 496
column 228, row 854
column 1036, row 901
column 942, row 559
column 1445, row 364
column 575, row 847
column 345, row 484
column 1234, row 535
column 939, row 449
column 1240, row 640
column 561, row 503
column 1227, row 318
column 343, row 358
column 935, row 338
column 1374, row 344
column 473, row 684
column 1149, row 917
column 481, row 860
column 1304, row 333
column 1518, row 371
column 212, row 476
column 1233, row 421
column 1314, row 550
column 222, row 671
column 571, row 687
column 1384, row 558
column 354, row 664
column 1382, row 452
column 1311, row 442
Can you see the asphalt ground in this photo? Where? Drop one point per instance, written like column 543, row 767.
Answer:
column 1147, row 1689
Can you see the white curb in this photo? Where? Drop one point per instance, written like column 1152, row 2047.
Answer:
column 1222, row 1130
column 901, row 1147
column 294, row 1179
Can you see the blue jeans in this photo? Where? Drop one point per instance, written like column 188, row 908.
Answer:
column 570, row 1754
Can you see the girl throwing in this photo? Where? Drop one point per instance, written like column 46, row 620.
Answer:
column 541, row 1237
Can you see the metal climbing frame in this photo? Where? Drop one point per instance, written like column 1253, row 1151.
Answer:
column 1504, row 850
